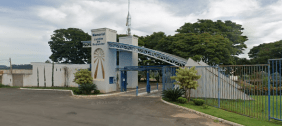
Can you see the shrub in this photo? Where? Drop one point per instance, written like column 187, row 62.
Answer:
column 173, row 94
column 198, row 102
column 2, row 86
column 187, row 79
column 77, row 91
column 96, row 91
column 87, row 88
column 83, row 76
column 182, row 100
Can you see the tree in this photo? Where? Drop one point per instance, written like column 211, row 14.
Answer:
column 261, row 53
column 186, row 79
column 66, row 46
column 242, row 61
column 227, row 29
column 151, row 42
column 212, row 49
column 47, row 61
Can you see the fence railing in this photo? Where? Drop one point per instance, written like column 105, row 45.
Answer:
column 274, row 89
column 243, row 89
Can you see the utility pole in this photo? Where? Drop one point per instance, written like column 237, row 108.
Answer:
column 11, row 69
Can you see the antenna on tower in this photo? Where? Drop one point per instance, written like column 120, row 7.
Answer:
column 128, row 20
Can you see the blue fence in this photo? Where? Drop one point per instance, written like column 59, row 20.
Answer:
column 250, row 90
column 274, row 89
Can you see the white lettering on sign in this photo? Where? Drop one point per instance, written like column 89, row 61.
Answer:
column 123, row 79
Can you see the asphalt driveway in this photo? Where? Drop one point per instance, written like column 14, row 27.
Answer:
column 55, row 108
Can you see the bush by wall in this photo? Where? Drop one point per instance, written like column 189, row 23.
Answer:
column 182, row 100
column 198, row 102
column 173, row 94
column 87, row 88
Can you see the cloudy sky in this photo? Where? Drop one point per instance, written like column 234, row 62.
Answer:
column 26, row 25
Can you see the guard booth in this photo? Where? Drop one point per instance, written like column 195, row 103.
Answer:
column 123, row 73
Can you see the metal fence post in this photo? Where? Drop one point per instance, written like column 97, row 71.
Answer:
column 268, row 90
column 218, row 87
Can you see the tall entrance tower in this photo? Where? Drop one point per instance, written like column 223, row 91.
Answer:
column 103, row 59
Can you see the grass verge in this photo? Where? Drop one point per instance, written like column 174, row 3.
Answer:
column 233, row 117
column 7, row 86
column 62, row 88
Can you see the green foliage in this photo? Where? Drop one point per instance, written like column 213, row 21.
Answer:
column 87, row 88
column 182, row 100
column 206, row 106
column 66, row 46
column 186, row 79
column 227, row 29
column 150, row 41
column 173, row 94
column 96, row 91
column 212, row 49
column 261, row 53
column 83, row 76
column 77, row 91
column 3, row 86
column 235, row 116
column 198, row 102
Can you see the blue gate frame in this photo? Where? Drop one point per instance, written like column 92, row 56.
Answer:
column 167, row 72
column 274, row 89
column 123, row 76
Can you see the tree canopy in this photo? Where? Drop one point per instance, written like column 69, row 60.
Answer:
column 212, row 49
column 66, row 46
column 227, row 29
column 151, row 42
column 261, row 53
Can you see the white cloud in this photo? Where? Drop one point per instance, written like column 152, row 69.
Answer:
column 25, row 33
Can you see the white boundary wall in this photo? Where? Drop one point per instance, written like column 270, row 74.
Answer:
column 63, row 75
column 208, row 83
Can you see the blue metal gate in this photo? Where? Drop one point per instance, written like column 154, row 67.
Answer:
column 274, row 89
column 123, row 81
column 167, row 72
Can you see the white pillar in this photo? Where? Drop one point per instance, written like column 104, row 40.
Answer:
column 103, row 59
column 129, row 59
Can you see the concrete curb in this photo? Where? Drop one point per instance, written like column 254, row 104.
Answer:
column 203, row 114
column 81, row 96
column 144, row 93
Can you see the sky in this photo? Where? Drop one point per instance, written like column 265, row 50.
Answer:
column 26, row 26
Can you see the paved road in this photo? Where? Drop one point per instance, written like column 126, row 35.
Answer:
column 55, row 108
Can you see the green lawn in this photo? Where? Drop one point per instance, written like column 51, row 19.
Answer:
column 230, row 116
column 258, row 107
